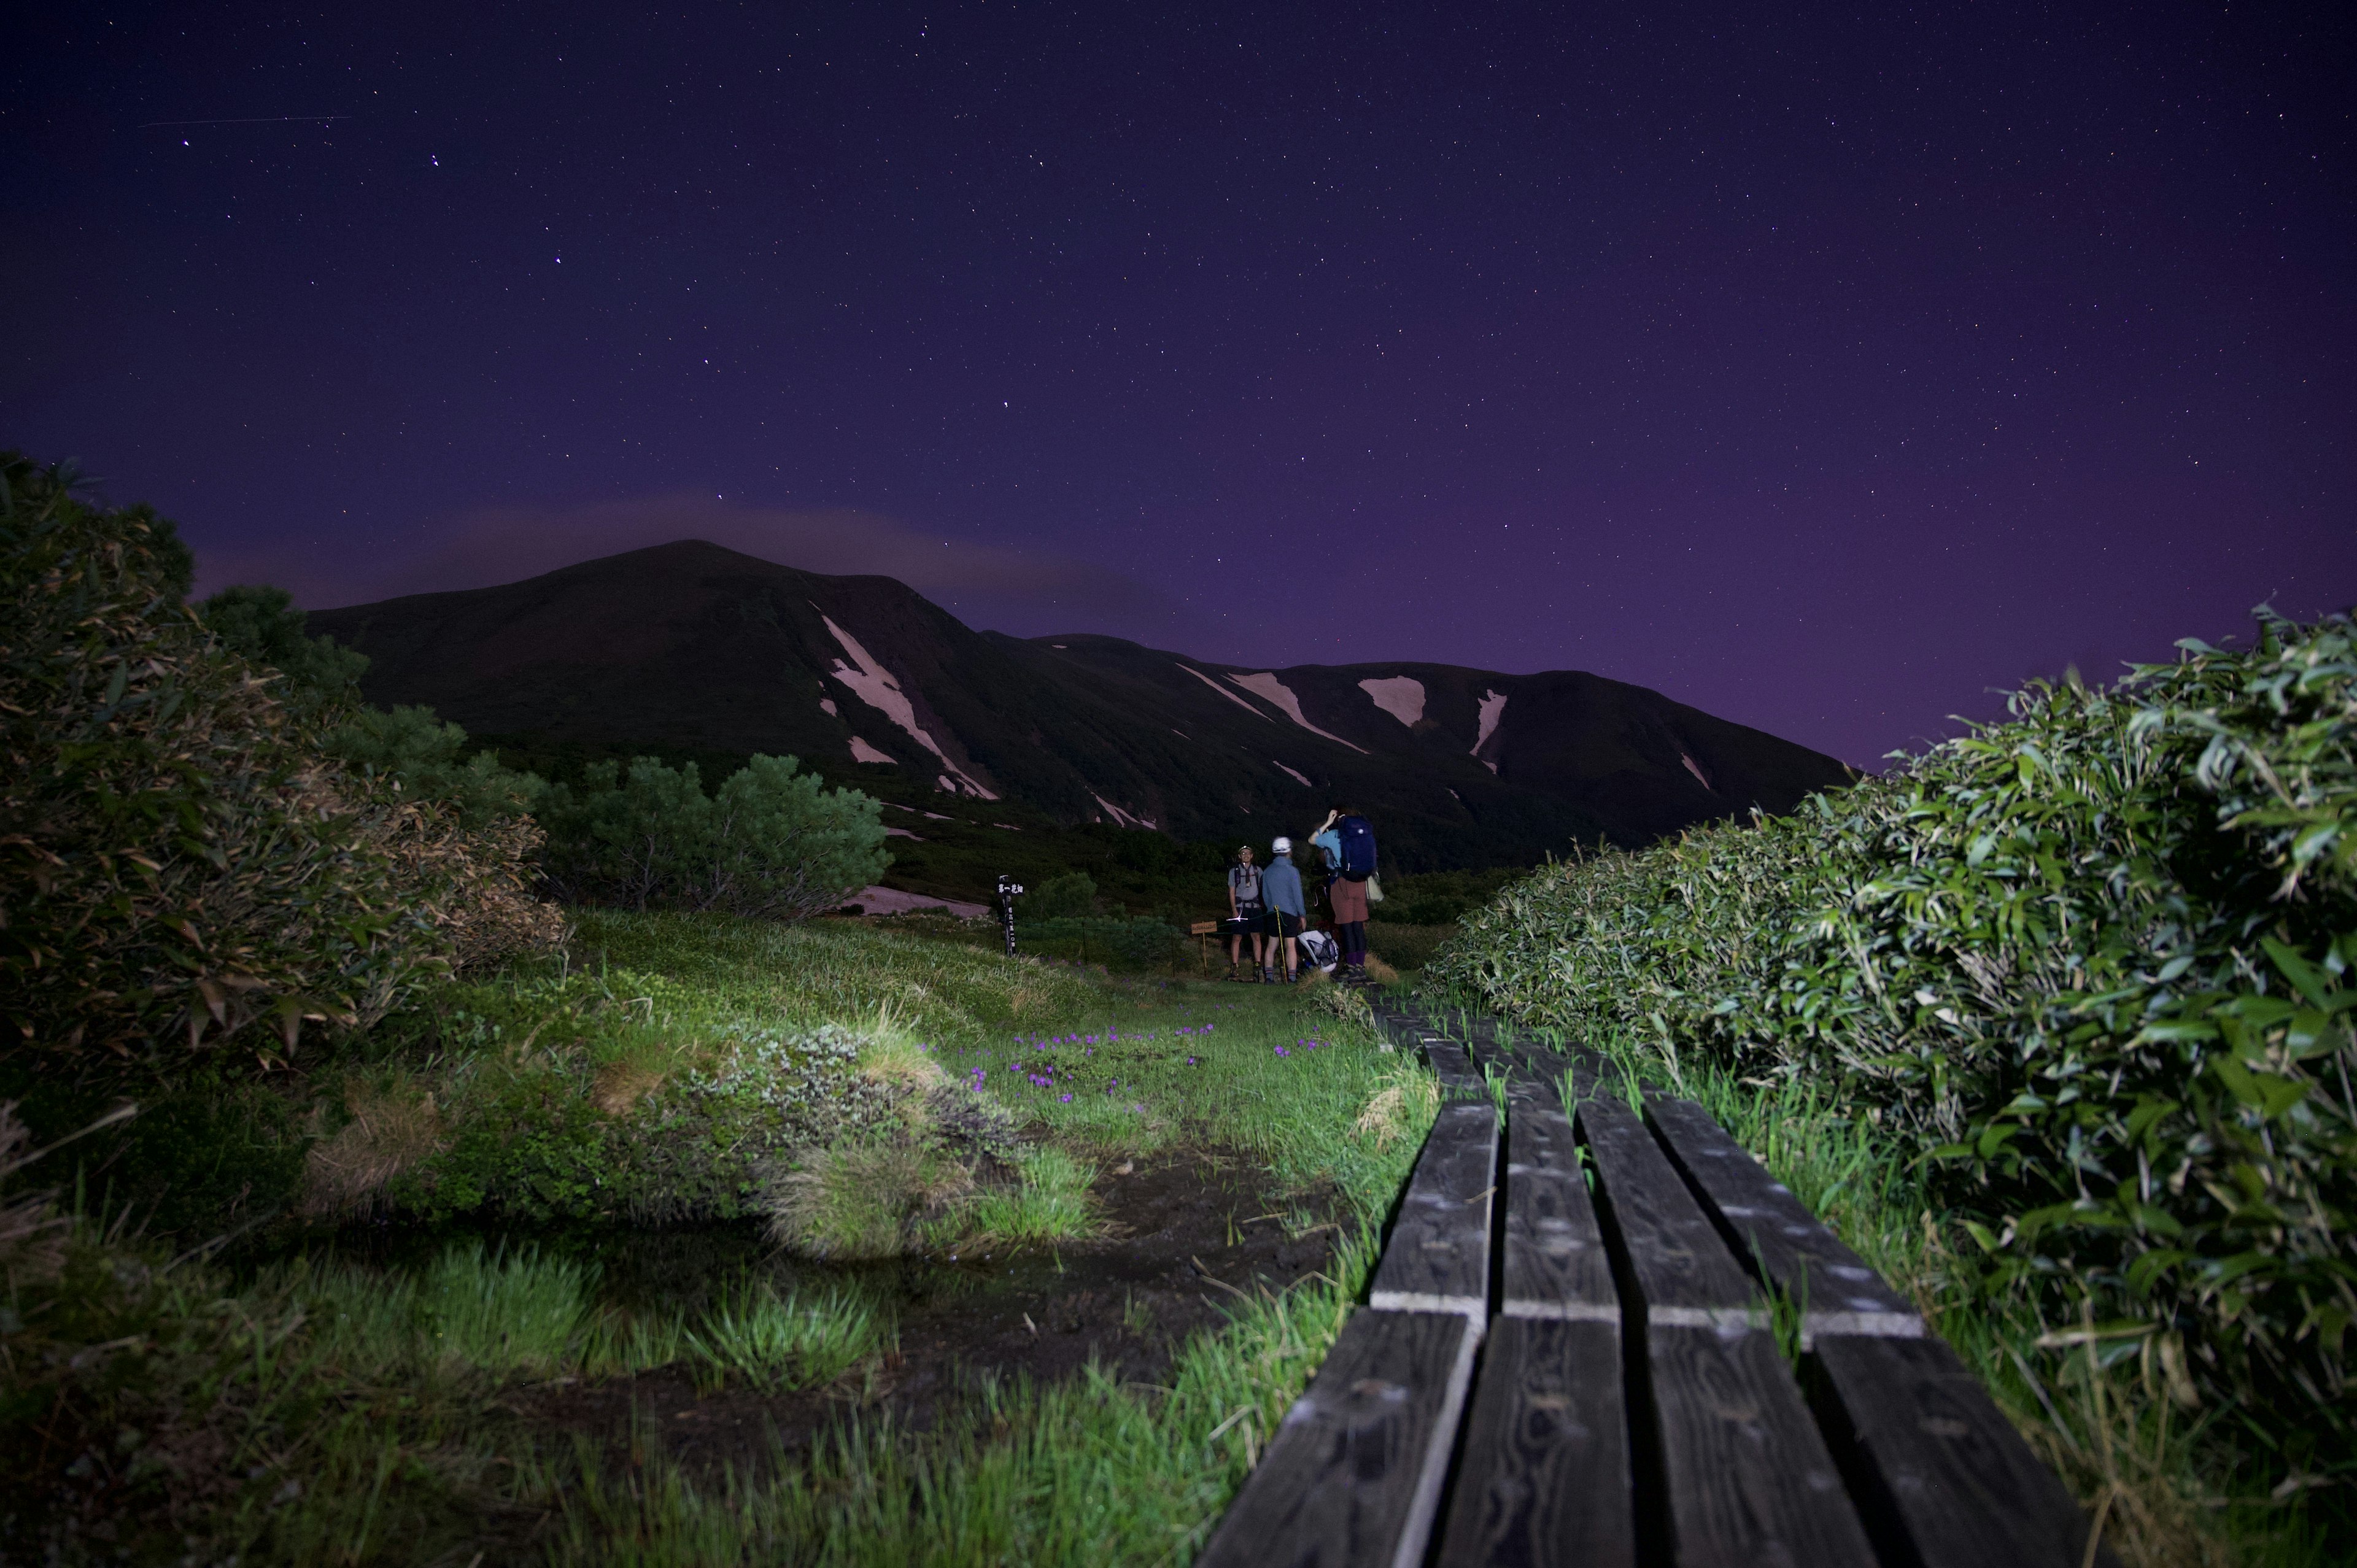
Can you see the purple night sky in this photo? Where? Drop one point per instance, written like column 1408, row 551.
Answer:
column 1823, row 372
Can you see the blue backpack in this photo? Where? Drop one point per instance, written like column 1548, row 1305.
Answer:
column 1357, row 836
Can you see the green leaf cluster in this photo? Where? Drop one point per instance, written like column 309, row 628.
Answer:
column 538, row 1138
column 178, row 860
column 1071, row 896
column 321, row 683
column 2092, row 964
column 772, row 842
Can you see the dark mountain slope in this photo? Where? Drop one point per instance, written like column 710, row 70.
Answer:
column 694, row 645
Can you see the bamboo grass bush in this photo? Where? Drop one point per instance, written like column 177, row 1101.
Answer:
column 2090, row 966
column 181, row 864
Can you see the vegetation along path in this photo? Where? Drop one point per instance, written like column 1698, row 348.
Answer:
column 1684, row 1366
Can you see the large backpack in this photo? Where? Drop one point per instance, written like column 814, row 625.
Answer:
column 1358, row 848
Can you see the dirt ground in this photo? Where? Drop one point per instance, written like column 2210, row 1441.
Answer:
column 1188, row 1231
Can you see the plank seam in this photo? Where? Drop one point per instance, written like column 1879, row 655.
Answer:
column 1471, row 1307
column 1560, row 1311
column 1860, row 1326
column 1724, row 1318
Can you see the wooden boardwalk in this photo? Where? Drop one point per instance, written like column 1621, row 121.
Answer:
column 1568, row 1357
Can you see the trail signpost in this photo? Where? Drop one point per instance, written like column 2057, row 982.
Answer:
column 1008, row 891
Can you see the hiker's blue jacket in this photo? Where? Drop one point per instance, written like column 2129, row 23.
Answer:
column 1280, row 886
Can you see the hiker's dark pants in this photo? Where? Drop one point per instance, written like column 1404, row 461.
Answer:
column 1352, row 936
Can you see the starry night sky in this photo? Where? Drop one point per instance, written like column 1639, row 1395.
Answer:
column 1824, row 371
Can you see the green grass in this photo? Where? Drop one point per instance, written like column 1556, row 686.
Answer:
column 776, row 1340
column 502, row 1312
column 1050, row 1203
column 1088, row 1471
column 324, row 1411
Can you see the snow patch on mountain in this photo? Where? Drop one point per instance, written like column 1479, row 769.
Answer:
column 893, row 901
column 863, row 752
column 1401, row 696
column 1696, row 769
column 903, row 833
column 1266, row 684
column 1493, row 706
column 826, row 706
column 874, row 684
column 1222, row 690
column 1305, row 782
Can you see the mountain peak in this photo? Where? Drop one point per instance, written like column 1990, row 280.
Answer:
column 691, row 644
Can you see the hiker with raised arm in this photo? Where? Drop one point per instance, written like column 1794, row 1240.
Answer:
column 1280, row 888
column 1244, row 912
column 1354, row 867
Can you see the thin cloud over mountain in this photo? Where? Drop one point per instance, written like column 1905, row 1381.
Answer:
column 1004, row 588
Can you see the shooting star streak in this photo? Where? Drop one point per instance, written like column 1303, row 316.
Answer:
column 264, row 120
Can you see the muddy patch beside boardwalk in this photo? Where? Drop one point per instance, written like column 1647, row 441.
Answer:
column 1188, row 1233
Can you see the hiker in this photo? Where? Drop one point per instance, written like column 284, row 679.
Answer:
column 1244, row 910
column 1327, row 860
column 1325, row 864
column 1280, row 888
column 1353, row 854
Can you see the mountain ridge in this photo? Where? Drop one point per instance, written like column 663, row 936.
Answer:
column 691, row 644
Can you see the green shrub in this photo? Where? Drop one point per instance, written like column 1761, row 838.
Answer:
column 542, row 1137
column 322, row 681
column 2091, row 964
column 261, row 625
column 1071, row 897
column 772, row 841
column 178, row 863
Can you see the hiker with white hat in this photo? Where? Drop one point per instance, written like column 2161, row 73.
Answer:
column 1280, row 889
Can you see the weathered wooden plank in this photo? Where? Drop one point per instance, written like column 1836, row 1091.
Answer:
column 1952, row 1484
column 1745, row 1475
column 1750, row 1481
column 1555, row 1263
column 1544, row 1480
column 1833, row 1284
column 1682, row 1265
column 1457, row 1075
column 1352, row 1477
column 1437, row 1256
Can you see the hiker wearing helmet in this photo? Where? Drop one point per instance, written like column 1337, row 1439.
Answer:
column 1280, row 888
column 1245, row 911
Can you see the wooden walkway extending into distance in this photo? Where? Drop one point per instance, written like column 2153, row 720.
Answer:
column 1555, row 1371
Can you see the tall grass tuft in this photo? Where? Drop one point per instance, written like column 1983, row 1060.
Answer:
column 1050, row 1203
column 781, row 1340
column 502, row 1311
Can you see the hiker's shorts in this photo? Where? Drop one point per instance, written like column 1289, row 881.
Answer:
column 1281, row 924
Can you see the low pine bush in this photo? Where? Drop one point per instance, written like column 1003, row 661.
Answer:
column 772, row 841
column 2091, row 965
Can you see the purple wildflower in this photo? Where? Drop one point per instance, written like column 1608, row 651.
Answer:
column 1063, row 1099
